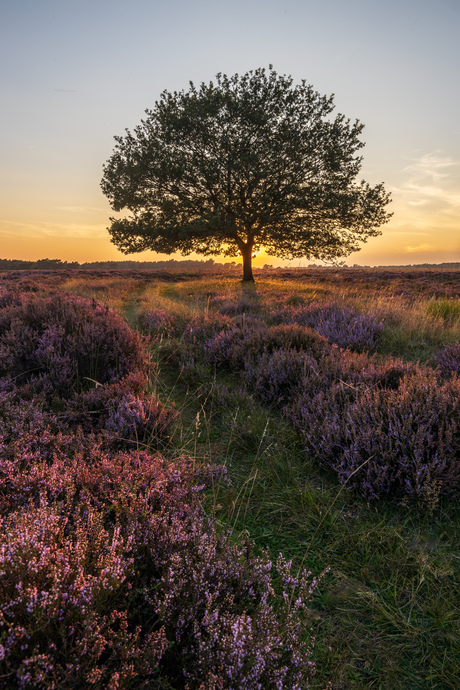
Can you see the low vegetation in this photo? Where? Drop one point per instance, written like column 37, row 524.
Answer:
column 158, row 455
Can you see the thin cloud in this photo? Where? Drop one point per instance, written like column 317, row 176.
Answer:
column 17, row 229
column 431, row 180
column 431, row 165
column 419, row 248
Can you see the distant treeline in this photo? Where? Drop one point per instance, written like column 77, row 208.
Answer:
column 57, row 264
column 170, row 265
column 452, row 265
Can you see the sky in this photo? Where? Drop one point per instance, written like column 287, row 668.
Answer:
column 73, row 74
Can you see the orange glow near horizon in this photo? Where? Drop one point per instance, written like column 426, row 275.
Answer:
column 396, row 245
column 407, row 239
column 73, row 227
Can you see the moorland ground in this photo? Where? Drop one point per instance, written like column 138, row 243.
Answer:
column 305, row 481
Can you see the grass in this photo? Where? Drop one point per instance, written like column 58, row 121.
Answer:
column 387, row 614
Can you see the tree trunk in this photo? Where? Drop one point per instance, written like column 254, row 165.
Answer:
column 246, row 252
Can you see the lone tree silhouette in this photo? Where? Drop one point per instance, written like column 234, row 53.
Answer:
column 246, row 162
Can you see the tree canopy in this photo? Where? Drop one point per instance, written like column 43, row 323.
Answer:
column 246, row 162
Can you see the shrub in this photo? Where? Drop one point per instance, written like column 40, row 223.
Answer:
column 408, row 438
column 296, row 337
column 8, row 297
column 18, row 416
column 123, row 412
column 360, row 371
column 219, row 350
column 245, row 343
column 277, row 376
column 448, row 360
column 56, row 343
column 339, row 324
column 113, row 576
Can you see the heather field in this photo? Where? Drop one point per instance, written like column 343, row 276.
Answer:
column 213, row 486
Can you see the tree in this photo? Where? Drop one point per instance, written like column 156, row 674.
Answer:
column 247, row 162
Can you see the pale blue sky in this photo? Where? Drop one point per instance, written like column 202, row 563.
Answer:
column 74, row 74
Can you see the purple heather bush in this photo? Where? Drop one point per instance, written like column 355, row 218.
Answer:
column 139, row 419
column 448, row 360
column 277, row 376
column 340, row 324
column 58, row 343
column 354, row 372
column 245, row 343
column 113, row 576
column 295, row 337
column 408, row 437
column 8, row 297
column 20, row 417
column 123, row 412
column 218, row 350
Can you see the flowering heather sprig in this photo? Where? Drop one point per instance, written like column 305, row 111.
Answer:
column 18, row 416
column 219, row 349
column 61, row 623
column 140, row 419
column 221, row 603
